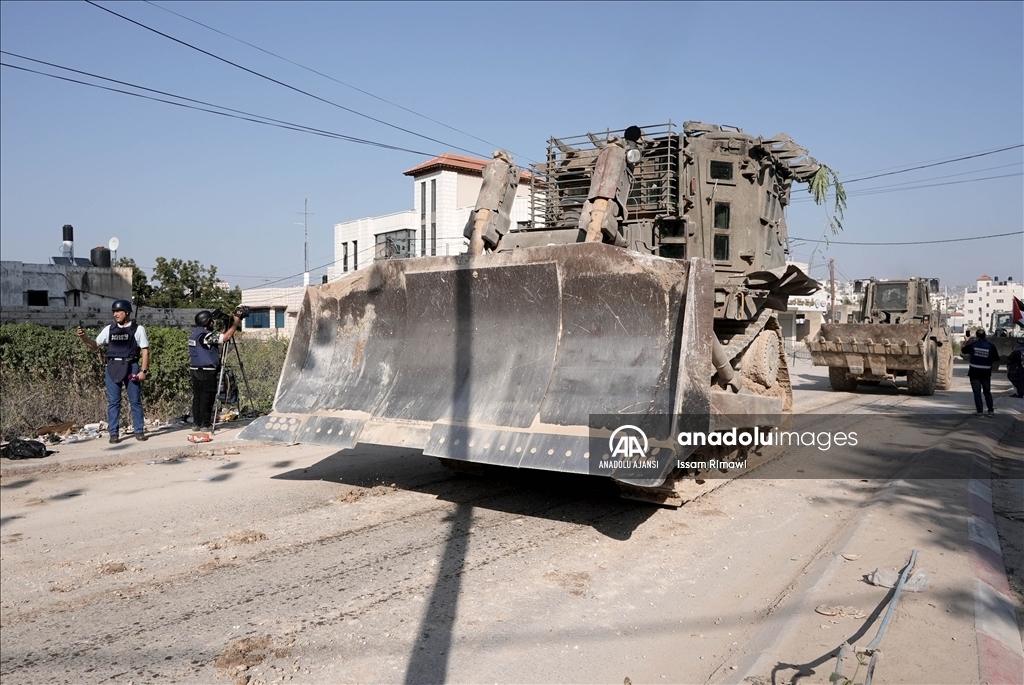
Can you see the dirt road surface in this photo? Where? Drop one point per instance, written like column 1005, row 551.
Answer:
column 149, row 563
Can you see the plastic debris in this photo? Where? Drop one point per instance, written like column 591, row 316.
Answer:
column 883, row 577
column 58, row 428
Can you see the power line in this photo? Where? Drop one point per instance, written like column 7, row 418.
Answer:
column 933, row 164
column 926, row 161
column 254, row 118
column 331, row 78
column 281, row 83
column 364, row 251
column 925, row 242
column 937, row 178
column 881, row 190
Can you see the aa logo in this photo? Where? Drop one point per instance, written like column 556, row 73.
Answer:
column 628, row 442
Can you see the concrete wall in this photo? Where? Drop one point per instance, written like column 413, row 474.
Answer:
column 66, row 286
column 69, row 317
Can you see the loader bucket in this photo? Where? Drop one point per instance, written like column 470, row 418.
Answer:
column 872, row 348
column 499, row 358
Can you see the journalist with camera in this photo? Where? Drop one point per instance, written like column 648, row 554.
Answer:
column 205, row 360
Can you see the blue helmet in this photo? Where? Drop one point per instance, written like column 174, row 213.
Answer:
column 122, row 305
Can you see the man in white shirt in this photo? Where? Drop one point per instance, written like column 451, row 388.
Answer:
column 127, row 365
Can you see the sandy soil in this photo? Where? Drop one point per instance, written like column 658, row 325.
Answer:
column 296, row 564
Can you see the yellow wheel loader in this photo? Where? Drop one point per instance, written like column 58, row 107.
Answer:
column 899, row 334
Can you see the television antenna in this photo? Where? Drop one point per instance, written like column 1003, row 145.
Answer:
column 112, row 246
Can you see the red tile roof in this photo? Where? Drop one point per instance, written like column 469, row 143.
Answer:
column 452, row 162
column 984, row 278
column 449, row 161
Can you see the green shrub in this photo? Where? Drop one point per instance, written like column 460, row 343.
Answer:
column 167, row 390
column 263, row 361
column 48, row 376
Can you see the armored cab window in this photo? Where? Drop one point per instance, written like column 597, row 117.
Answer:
column 673, row 229
column 770, row 212
column 721, row 248
column 721, row 171
column 672, row 250
column 722, row 215
column 721, row 243
column 892, row 297
column 672, row 242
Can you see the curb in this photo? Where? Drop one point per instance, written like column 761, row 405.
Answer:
column 1000, row 653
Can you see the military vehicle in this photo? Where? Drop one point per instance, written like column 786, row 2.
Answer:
column 645, row 283
column 1001, row 332
column 898, row 334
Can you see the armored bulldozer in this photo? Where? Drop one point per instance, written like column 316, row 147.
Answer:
column 645, row 282
column 898, row 334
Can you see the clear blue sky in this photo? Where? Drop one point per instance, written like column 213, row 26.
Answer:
column 865, row 87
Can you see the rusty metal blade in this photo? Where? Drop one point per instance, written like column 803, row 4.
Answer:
column 521, row 346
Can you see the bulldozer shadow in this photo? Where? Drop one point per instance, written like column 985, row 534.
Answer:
column 576, row 499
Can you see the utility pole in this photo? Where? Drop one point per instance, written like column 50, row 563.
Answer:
column 832, row 280
column 305, row 241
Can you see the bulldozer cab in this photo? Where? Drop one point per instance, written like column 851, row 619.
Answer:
column 709, row 191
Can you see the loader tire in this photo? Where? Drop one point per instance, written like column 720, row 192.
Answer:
column 761, row 360
column 944, row 380
column 923, row 382
column 839, row 381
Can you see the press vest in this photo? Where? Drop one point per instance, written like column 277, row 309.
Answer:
column 203, row 354
column 983, row 353
column 122, row 343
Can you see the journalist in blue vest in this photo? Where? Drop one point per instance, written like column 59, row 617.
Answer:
column 983, row 357
column 127, row 365
column 204, row 365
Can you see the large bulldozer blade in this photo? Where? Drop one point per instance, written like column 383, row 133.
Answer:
column 500, row 358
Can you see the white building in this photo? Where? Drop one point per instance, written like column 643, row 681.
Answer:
column 990, row 295
column 804, row 314
column 272, row 311
column 445, row 189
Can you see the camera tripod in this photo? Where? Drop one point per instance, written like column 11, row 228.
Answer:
column 226, row 346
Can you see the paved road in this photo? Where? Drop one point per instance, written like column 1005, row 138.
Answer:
column 293, row 564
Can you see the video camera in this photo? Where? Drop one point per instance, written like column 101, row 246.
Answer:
column 241, row 311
